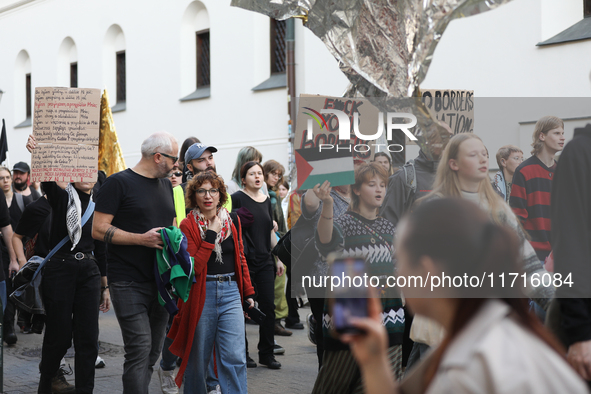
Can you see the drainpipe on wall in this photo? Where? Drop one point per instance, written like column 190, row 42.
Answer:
column 291, row 89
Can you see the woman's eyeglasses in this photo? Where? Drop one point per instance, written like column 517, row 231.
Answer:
column 178, row 173
column 212, row 192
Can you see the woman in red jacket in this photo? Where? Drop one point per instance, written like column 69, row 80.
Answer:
column 212, row 316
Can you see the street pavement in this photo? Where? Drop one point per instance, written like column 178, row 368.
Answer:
column 297, row 375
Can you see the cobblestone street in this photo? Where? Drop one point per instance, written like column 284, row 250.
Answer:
column 297, row 375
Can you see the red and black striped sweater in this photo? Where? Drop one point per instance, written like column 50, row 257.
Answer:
column 530, row 200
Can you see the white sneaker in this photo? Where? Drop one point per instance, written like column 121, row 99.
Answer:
column 167, row 382
column 218, row 390
column 99, row 363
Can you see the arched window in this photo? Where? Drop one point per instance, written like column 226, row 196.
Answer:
column 23, row 90
column 67, row 64
column 114, row 70
column 195, row 53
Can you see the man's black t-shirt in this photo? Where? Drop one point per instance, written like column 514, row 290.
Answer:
column 4, row 221
column 36, row 220
column 138, row 204
column 260, row 231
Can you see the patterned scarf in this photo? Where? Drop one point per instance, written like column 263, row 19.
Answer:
column 73, row 216
column 203, row 225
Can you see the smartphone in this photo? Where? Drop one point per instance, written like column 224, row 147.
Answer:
column 254, row 313
column 347, row 300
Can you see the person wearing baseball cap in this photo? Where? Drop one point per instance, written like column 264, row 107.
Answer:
column 199, row 158
column 21, row 172
column 22, row 167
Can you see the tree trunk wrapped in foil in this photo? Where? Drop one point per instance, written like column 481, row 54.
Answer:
column 384, row 47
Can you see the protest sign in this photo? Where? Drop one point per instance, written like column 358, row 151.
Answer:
column 66, row 128
column 320, row 153
column 453, row 107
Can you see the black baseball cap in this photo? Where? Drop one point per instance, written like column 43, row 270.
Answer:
column 22, row 167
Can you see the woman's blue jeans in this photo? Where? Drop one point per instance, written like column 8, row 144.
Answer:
column 221, row 325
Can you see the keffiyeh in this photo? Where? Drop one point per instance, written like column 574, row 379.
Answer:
column 73, row 216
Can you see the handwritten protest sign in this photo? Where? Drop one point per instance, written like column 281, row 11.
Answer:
column 319, row 153
column 452, row 107
column 326, row 126
column 66, row 127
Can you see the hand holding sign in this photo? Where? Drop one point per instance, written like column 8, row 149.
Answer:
column 323, row 192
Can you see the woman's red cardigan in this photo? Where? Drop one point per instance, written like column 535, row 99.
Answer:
column 185, row 322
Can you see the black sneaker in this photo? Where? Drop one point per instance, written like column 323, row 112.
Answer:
column 9, row 334
column 278, row 349
column 295, row 326
column 269, row 362
column 250, row 363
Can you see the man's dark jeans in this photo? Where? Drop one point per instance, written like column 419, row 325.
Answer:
column 71, row 294
column 143, row 326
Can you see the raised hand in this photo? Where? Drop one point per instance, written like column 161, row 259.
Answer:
column 323, row 191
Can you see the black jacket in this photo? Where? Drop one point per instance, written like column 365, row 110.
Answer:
column 571, row 234
column 398, row 200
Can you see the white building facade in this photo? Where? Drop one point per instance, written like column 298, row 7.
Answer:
column 157, row 45
column 40, row 40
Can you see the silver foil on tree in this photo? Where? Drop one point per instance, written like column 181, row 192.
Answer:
column 384, row 47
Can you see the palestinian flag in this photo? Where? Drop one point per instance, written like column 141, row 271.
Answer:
column 315, row 166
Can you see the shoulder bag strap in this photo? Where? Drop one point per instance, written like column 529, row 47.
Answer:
column 87, row 214
column 19, row 201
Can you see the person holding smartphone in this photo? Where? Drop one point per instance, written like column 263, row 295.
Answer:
column 212, row 316
column 359, row 232
column 493, row 344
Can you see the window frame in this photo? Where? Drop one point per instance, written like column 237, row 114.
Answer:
column 121, row 77
column 74, row 74
column 202, row 61
column 276, row 66
column 28, row 96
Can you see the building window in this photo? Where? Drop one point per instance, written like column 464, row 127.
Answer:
column 278, row 57
column 587, row 8
column 203, row 56
column 28, row 95
column 121, row 91
column 74, row 75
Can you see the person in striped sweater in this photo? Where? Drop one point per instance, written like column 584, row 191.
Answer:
column 532, row 184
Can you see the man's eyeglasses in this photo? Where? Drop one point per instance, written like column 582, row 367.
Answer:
column 174, row 158
column 212, row 192
column 177, row 174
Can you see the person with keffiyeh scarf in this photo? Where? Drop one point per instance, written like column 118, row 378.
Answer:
column 72, row 281
column 212, row 317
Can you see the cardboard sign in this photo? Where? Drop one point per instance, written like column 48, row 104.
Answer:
column 453, row 107
column 66, row 128
column 325, row 128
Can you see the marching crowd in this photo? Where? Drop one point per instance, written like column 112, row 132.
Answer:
column 185, row 258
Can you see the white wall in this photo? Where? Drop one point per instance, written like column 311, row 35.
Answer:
column 160, row 64
column 494, row 54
